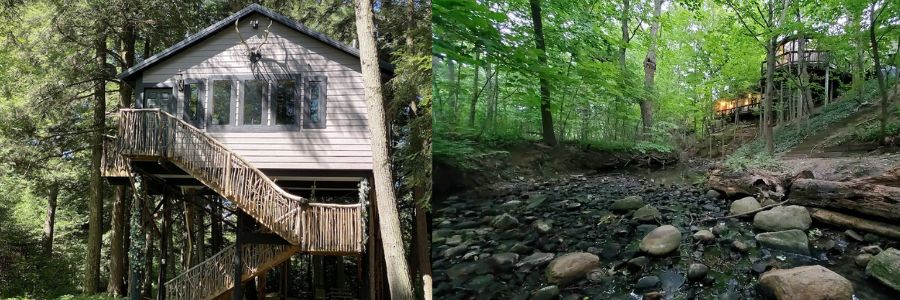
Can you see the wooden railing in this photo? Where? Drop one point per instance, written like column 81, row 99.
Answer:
column 322, row 228
column 215, row 275
column 113, row 164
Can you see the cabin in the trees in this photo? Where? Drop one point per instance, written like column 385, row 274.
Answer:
column 257, row 127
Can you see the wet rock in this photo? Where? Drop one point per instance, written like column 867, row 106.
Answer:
column 520, row 248
column 646, row 214
column 871, row 237
column 661, row 240
column 455, row 251
column 454, row 240
column 503, row 261
column 720, row 228
column 504, row 221
column 644, row 229
column 783, row 218
column 871, row 249
column 793, row 241
column 697, row 271
column 655, row 295
column 713, row 194
column 509, row 205
column 638, row 263
column 481, row 282
column 808, row 282
column 886, row 268
column 571, row 267
column 647, row 283
column 628, row 204
column 542, row 226
column 760, row 266
column 744, row 205
column 610, row 251
column 535, row 259
column 740, row 246
column 546, row 293
column 862, row 260
column 704, row 236
column 853, row 235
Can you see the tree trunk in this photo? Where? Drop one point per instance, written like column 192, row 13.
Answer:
column 475, row 92
column 882, row 89
column 399, row 281
column 650, row 71
column 216, row 239
column 806, row 92
column 423, row 244
column 838, row 219
column 50, row 221
column 117, row 277
column 767, row 101
column 200, row 235
column 190, row 258
column 95, row 227
column 856, row 196
column 546, row 115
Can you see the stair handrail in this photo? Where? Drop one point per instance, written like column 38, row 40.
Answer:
column 289, row 196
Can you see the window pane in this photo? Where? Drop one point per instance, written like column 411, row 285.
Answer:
column 314, row 101
column 254, row 90
column 284, row 102
column 221, row 103
column 159, row 98
column 193, row 111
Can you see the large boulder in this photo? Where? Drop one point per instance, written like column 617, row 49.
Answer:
column 628, row 204
column 744, row 205
column 661, row 240
column 647, row 213
column 783, row 218
column 886, row 268
column 806, row 283
column 567, row 269
column 793, row 241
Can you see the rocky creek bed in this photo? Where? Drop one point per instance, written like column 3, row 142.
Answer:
column 624, row 236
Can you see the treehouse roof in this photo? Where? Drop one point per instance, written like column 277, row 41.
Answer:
column 229, row 21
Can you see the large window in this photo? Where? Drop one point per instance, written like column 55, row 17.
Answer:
column 252, row 106
column 284, row 103
column 160, row 98
column 314, row 103
column 220, row 110
column 193, row 104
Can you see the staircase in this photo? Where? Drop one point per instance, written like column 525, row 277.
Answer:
column 215, row 276
column 316, row 228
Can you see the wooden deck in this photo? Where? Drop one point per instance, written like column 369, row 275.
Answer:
column 317, row 228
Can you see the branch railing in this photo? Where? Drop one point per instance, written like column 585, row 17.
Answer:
column 214, row 276
column 112, row 163
column 323, row 228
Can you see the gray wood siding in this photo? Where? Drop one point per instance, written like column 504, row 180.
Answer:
column 343, row 144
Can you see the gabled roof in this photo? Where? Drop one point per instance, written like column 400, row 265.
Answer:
column 224, row 23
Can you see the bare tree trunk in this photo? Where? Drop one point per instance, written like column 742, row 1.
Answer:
column 117, row 277
column 424, row 244
column 189, row 257
column 95, row 227
column 399, row 281
column 475, row 91
column 650, row 71
column 546, row 115
column 882, row 89
column 216, row 239
column 767, row 101
column 50, row 221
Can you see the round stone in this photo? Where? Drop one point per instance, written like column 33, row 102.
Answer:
column 661, row 240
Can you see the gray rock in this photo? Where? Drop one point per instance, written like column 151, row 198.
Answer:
column 647, row 283
column 546, row 293
column 542, row 226
column 454, row 240
column 783, row 218
column 808, row 282
column 571, row 267
column 697, row 271
column 871, row 249
column 520, row 248
column 638, row 263
column 886, row 268
column 853, row 235
column 713, row 194
column 862, row 260
column 503, row 261
column 740, row 246
column 793, row 241
column 509, row 205
column 661, row 240
column 720, row 228
column 704, row 236
column 744, row 205
column 646, row 213
column 644, row 229
column 455, row 251
column 628, row 204
column 504, row 221
column 535, row 259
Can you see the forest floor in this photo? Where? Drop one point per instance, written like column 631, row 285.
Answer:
column 497, row 239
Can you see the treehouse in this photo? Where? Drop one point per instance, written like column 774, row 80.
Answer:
column 262, row 118
column 745, row 106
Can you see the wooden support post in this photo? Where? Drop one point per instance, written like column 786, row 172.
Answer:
column 261, row 285
column 827, row 88
column 283, row 280
column 236, row 292
column 163, row 251
column 318, row 270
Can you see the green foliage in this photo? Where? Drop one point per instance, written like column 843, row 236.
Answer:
column 871, row 131
column 464, row 149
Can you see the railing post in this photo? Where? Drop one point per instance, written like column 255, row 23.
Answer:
column 226, row 186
